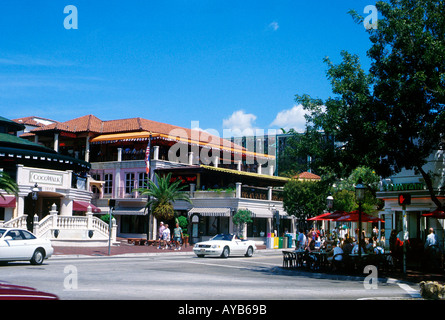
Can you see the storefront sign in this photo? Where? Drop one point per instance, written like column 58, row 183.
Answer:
column 403, row 186
column 46, row 178
column 68, row 134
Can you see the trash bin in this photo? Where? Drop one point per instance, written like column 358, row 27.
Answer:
column 289, row 241
column 285, row 242
column 280, row 242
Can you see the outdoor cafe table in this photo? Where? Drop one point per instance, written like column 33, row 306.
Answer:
column 319, row 258
column 321, row 261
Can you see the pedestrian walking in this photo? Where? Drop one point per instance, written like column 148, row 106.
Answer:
column 160, row 234
column 166, row 236
column 177, row 236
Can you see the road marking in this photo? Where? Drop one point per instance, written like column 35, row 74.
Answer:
column 412, row 292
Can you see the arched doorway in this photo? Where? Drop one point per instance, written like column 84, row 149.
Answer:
column 40, row 207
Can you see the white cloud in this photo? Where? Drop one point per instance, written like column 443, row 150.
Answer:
column 291, row 119
column 239, row 124
column 274, row 26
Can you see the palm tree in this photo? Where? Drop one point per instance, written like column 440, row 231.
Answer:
column 162, row 196
column 8, row 184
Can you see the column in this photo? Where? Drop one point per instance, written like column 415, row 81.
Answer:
column 259, row 169
column 155, row 152
column 66, row 207
column 192, row 189
column 238, row 165
column 56, row 142
column 215, row 161
column 238, row 190
column 119, row 154
column 87, row 149
column 269, row 193
column 191, row 155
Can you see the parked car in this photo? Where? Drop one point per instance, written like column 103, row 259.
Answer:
column 21, row 245
column 15, row 292
column 224, row 245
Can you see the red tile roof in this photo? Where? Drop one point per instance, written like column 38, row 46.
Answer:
column 93, row 124
column 307, row 176
column 32, row 121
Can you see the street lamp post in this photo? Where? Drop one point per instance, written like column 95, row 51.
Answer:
column 329, row 204
column 360, row 196
column 34, row 197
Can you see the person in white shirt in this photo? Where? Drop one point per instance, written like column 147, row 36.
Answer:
column 301, row 242
column 335, row 255
column 166, row 236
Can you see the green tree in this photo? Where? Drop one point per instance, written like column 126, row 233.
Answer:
column 162, row 195
column 8, row 184
column 304, row 199
column 344, row 194
column 241, row 217
column 394, row 116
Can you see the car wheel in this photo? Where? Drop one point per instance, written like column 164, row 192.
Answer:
column 225, row 253
column 38, row 257
column 249, row 252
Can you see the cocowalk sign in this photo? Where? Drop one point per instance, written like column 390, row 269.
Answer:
column 46, row 178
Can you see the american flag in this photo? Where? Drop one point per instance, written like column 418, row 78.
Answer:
column 147, row 156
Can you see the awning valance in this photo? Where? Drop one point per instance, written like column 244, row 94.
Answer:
column 130, row 211
column 7, row 202
column 261, row 213
column 83, row 206
column 211, row 212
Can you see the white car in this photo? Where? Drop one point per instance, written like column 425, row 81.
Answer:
column 224, row 245
column 21, row 245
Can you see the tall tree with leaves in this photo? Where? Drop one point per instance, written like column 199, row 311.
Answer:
column 162, row 195
column 304, row 199
column 394, row 116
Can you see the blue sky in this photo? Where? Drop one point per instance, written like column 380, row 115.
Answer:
column 225, row 64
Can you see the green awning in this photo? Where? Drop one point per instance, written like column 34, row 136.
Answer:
column 53, row 159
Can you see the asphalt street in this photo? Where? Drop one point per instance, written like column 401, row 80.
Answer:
column 183, row 276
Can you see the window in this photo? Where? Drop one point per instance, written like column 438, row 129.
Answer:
column 15, row 234
column 27, row 235
column 142, row 180
column 108, row 187
column 129, row 182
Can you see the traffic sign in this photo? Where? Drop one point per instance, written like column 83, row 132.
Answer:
column 404, row 199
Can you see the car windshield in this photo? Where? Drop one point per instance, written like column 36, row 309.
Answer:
column 226, row 237
column 2, row 232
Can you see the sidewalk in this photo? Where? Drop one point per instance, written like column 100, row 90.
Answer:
column 124, row 248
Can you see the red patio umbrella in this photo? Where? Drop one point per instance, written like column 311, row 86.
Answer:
column 438, row 214
column 354, row 216
column 328, row 216
column 319, row 217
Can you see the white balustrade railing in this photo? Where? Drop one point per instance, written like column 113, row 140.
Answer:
column 19, row 222
column 88, row 223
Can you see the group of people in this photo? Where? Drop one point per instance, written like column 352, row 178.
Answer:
column 337, row 247
column 164, row 237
